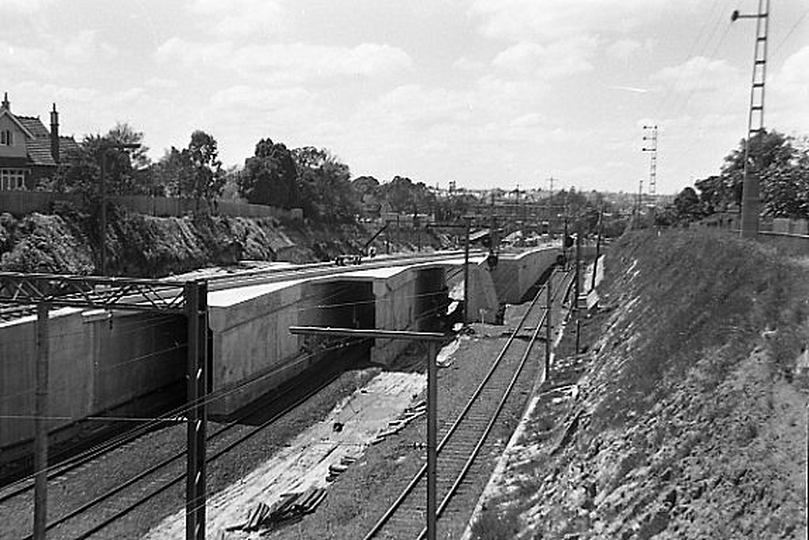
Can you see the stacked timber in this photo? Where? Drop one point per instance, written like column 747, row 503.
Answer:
column 291, row 507
column 408, row 415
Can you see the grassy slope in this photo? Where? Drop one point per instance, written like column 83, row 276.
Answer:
column 691, row 420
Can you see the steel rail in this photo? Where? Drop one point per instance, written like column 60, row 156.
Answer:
column 445, row 439
column 501, row 404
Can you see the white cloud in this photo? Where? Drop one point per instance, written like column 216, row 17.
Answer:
column 84, row 47
column 241, row 18
column 699, row 74
column 788, row 102
column 526, row 20
column 26, row 7
column 794, row 73
column 289, row 63
column 465, row 64
column 250, row 99
column 623, row 48
column 29, row 59
column 564, row 57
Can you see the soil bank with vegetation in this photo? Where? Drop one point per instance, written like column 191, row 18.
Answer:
column 67, row 242
column 686, row 414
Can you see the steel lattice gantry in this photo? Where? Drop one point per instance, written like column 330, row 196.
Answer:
column 188, row 297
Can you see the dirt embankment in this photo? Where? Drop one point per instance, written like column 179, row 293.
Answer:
column 690, row 418
column 145, row 246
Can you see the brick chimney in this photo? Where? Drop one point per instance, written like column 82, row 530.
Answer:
column 5, row 105
column 55, row 134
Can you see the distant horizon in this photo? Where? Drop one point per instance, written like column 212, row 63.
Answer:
column 480, row 92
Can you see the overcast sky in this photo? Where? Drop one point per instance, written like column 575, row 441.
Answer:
column 483, row 92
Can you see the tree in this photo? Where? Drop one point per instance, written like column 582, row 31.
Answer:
column 785, row 191
column 169, row 173
column 404, row 196
column 270, row 176
column 123, row 133
column 365, row 185
column 127, row 170
column 782, row 168
column 203, row 178
column 687, row 205
column 325, row 189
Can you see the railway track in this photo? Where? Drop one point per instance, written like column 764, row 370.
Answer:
column 465, row 444
column 91, row 515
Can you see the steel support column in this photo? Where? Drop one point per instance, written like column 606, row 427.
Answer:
column 197, row 310
column 466, row 275
column 548, row 325
column 432, row 439
column 41, row 423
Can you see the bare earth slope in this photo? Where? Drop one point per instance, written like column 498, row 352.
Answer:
column 690, row 418
column 138, row 245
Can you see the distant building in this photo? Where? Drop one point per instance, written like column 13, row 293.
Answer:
column 28, row 152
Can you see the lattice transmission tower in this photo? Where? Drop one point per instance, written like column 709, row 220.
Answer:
column 650, row 139
column 755, row 118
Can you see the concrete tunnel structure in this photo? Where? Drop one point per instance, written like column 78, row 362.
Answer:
column 102, row 361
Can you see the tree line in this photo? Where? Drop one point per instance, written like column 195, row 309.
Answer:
column 310, row 178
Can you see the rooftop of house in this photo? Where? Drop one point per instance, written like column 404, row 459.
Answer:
column 39, row 144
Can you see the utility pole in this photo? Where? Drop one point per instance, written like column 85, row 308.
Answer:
column 466, row 273
column 755, row 118
column 564, row 235
column 652, row 148
column 550, row 207
column 600, row 227
column 548, row 324
column 638, row 204
column 492, row 231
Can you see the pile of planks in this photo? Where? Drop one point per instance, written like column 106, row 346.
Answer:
column 291, row 507
column 408, row 415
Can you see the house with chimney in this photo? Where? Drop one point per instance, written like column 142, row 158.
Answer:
column 28, row 151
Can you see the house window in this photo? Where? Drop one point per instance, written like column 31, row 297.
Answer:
column 6, row 138
column 12, row 179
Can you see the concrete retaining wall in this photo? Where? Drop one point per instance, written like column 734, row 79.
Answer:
column 253, row 350
column 516, row 274
column 96, row 363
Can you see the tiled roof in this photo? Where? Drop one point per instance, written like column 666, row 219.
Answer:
column 34, row 125
column 39, row 152
column 66, row 146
